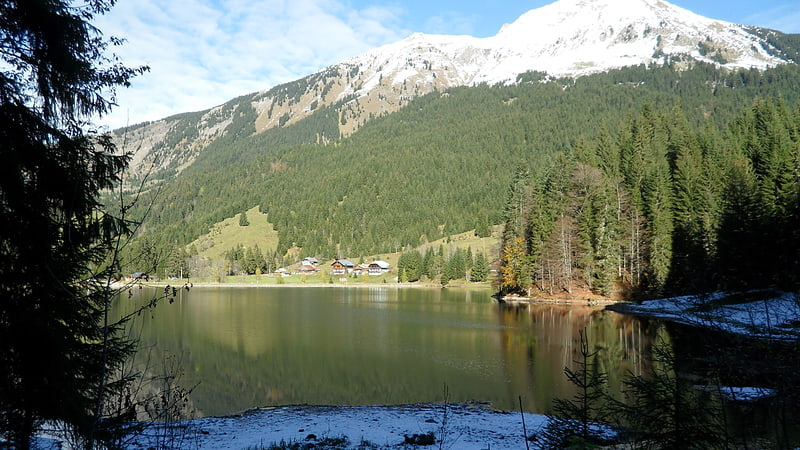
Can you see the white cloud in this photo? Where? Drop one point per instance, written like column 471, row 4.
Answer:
column 205, row 52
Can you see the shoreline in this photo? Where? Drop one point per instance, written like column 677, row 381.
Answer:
column 507, row 300
column 467, row 426
column 301, row 285
column 599, row 301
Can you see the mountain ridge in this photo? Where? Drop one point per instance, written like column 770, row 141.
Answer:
column 567, row 38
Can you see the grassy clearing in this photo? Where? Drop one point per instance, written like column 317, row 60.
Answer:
column 227, row 234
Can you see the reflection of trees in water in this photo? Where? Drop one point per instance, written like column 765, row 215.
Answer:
column 249, row 347
column 716, row 360
column 535, row 360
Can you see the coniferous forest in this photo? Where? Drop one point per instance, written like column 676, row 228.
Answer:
column 634, row 181
column 662, row 208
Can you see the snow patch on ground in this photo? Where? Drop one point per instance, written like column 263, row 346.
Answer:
column 740, row 394
column 461, row 426
column 776, row 317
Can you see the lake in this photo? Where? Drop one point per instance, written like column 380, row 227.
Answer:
column 247, row 347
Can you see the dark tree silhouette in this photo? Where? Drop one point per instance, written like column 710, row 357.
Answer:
column 57, row 350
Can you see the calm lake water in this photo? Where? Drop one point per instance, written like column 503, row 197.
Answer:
column 250, row 347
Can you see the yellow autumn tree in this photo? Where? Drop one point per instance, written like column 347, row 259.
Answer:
column 516, row 271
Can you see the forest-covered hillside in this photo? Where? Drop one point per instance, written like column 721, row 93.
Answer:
column 443, row 164
column 660, row 207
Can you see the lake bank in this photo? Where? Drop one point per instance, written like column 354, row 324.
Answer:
column 583, row 301
column 592, row 300
column 297, row 282
column 467, row 426
column 317, row 285
column 766, row 314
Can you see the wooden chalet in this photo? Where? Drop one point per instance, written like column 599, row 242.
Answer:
column 342, row 267
column 378, row 267
column 306, row 269
column 361, row 269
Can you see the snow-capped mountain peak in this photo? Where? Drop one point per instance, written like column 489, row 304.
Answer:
column 574, row 37
column 566, row 38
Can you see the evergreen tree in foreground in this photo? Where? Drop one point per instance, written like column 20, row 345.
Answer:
column 578, row 422
column 58, row 348
column 666, row 410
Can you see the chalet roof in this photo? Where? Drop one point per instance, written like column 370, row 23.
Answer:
column 345, row 262
column 381, row 264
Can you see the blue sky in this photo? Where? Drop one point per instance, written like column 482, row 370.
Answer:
column 205, row 52
column 484, row 19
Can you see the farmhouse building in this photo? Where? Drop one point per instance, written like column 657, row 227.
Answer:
column 342, row 267
column 378, row 267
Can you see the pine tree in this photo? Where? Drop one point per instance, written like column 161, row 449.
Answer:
column 446, row 274
column 515, row 210
column 658, row 198
column 439, row 261
column 410, row 264
column 607, row 154
column 757, row 242
column 428, row 263
column 552, row 228
column 578, row 423
column 480, row 270
column 774, row 152
column 455, row 267
column 59, row 349
column 598, row 231
column 666, row 410
column 260, row 263
column 693, row 198
column 243, row 221
column 176, row 263
column 482, row 228
column 249, row 262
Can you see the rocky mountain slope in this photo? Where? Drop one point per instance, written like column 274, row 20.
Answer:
column 567, row 38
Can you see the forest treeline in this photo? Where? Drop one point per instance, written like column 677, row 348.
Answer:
column 661, row 207
column 439, row 166
column 460, row 264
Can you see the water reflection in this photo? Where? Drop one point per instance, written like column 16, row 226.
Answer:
column 379, row 295
column 248, row 347
column 536, row 360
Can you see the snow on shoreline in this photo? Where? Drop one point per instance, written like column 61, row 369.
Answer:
column 776, row 317
column 461, row 426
